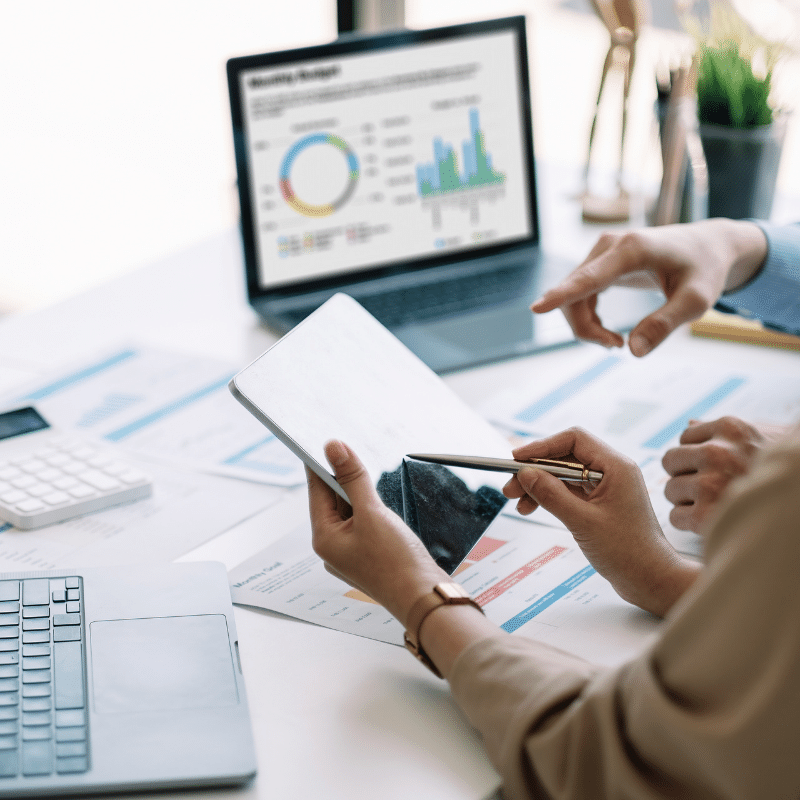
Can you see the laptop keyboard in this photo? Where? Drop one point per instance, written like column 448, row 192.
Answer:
column 433, row 300
column 43, row 725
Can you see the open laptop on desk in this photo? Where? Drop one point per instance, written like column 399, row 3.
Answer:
column 120, row 679
column 399, row 169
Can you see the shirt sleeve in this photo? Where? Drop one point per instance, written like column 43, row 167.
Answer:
column 773, row 295
column 711, row 710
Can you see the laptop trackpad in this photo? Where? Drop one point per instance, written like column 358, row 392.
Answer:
column 161, row 663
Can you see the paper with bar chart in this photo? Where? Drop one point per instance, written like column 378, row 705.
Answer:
column 530, row 580
column 641, row 407
column 386, row 156
column 162, row 405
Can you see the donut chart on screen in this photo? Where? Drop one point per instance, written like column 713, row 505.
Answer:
column 307, row 209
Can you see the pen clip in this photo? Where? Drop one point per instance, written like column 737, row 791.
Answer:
column 552, row 462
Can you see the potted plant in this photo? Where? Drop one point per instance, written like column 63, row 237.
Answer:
column 741, row 132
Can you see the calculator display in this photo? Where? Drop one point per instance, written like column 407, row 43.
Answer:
column 19, row 421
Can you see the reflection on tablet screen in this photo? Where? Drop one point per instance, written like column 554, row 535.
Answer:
column 440, row 508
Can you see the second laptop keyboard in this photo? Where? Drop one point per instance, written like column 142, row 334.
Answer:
column 43, row 713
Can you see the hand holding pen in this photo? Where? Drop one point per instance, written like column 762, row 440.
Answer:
column 612, row 522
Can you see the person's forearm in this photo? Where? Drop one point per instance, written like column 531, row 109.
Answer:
column 450, row 629
column 748, row 251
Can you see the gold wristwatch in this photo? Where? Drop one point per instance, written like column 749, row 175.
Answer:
column 443, row 594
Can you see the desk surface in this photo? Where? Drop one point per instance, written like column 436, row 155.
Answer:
column 334, row 716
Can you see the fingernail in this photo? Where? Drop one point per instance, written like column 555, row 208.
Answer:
column 639, row 345
column 336, row 453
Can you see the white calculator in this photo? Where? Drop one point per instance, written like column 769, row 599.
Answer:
column 47, row 476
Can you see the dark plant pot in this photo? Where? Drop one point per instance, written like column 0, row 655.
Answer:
column 742, row 168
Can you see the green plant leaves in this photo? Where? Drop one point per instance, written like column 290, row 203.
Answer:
column 728, row 93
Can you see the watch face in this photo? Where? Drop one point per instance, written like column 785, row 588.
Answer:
column 450, row 591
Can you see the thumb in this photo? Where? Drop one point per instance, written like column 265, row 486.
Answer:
column 685, row 305
column 553, row 495
column 350, row 473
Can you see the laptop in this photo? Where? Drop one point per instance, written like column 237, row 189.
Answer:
column 120, row 679
column 398, row 168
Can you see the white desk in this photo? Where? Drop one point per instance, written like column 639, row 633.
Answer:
column 334, row 716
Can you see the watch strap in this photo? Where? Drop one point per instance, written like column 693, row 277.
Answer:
column 443, row 594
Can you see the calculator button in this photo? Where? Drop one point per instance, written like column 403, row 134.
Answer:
column 39, row 489
column 67, row 482
column 73, row 606
column 24, row 482
column 83, row 453
column 99, row 461
column 49, row 474
column 59, row 595
column 102, row 482
column 73, row 467
column 73, row 594
column 45, row 452
column 29, row 506
column 132, row 476
column 8, row 473
column 58, row 460
column 81, row 490
column 5, row 486
column 56, row 498
column 14, row 496
column 115, row 468
column 32, row 466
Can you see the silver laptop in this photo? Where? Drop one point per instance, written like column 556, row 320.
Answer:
column 120, row 679
column 399, row 169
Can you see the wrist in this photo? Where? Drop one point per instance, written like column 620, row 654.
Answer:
column 666, row 585
column 748, row 252
column 408, row 593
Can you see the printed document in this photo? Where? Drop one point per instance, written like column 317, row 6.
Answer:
column 641, row 407
column 185, row 510
column 163, row 405
column 530, row 579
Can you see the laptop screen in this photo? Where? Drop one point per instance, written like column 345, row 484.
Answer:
column 381, row 151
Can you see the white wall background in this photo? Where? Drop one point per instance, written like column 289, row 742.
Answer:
column 115, row 143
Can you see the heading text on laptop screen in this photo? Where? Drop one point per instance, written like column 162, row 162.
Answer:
column 399, row 154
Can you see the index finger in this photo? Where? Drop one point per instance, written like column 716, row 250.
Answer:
column 698, row 432
column 574, row 443
column 598, row 271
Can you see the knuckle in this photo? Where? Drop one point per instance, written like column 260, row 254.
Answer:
column 731, row 428
column 350, row 475
column 631, row 248
column 717, row 456
column 709, row 487
column 694, row 301
column 607, row 239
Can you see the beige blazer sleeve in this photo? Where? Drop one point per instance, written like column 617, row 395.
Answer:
column 711, row 710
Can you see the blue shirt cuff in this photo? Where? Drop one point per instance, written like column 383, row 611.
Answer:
column 773, row 295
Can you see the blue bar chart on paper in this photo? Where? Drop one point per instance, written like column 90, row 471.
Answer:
column 444, row 181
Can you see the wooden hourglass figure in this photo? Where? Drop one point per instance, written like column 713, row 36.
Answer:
column 623, row 20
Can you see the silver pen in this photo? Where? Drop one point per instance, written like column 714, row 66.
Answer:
column 565, row 470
